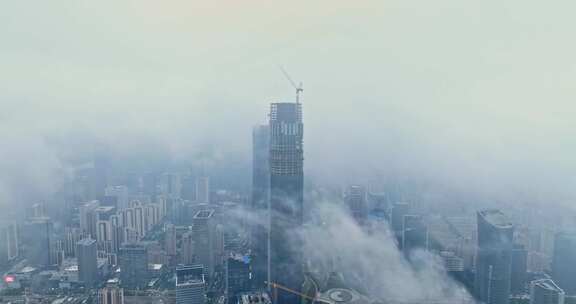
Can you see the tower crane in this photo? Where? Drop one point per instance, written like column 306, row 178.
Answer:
column 298, row 87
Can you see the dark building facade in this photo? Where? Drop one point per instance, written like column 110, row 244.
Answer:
column 545, row 291
column 133, row 261
column 564, row 261
column 494, row 257
column 87, row 262
column 519, row 269
column 286, row 198
column 36, row 238
column 260, row 192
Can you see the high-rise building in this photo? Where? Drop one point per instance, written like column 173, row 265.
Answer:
column 120, row 193
column 170, row 239
column 494, row 257
column 87, row 262
column 203, row 232
column 9, row 247
column 357, row 202
column 286, row 207
column 564, row 262
column 260, row 192
column 519, row 269
column 190, row 285
column 187, row 252
column 37, row 238
column 203, row 189
column 545, row 291
column 237, row 276
column 414, row 233
column 111, row 294
column 399, row 210
column 89, row 218
column 133, row 262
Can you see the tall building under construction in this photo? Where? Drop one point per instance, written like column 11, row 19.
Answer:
column 286, row 198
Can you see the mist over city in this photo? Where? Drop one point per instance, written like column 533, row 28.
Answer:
column 267, row 152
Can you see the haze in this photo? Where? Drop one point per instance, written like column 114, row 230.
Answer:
column 481, row 91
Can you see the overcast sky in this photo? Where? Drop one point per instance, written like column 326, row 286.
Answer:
column 477, row 93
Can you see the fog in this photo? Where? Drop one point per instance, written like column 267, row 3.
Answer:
column 477, row 95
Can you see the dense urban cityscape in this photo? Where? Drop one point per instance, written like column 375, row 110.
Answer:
column 167, row 152
column 171, row 237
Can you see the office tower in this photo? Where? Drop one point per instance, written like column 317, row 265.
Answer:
column 203, row 232
column 170, row 185
column 493, row 261
column 121, row 195
column 88, row 218
column 9, row 247
column 260, row 192
column 414, row 233
column 519, row 269
column 111, row 294
column 71, row 237
column 237, row 276
column 399, row 210
column 187, row 249
column 286, row 204
column 564, row 262
column 133, row 262
column 170, row 239
column 100, row 171
column 378, row 203
column 545, row 291
column 87, row 262
column 38, row 210
column 190, row 285
column 203, row 189
column 56, row 252
column 139, row 220
column 357, row 202
column 36, row 237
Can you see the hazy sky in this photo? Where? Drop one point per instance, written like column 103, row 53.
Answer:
column 476, row 93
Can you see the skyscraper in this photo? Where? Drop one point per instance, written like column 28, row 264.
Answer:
column 564, row 261
column 170, row 239
column 187, row 252
column 414, row 233
column 286, row 198
column 260, row 191
column 133, row 261
column 237, row 276
column 9, row 247
column 87, row 262
column 190, row 285
column 493, row 264
column 545, row 291
column 203, row 232
column 357, row 202
column 36, row 236
column 519, row 269
column 203, row 189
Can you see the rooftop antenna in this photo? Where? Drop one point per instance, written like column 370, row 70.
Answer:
column 298, row 87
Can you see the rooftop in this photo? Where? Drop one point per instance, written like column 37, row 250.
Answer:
column 204, row 214
column 86, row 242
column 496, row 218
column 548, row 285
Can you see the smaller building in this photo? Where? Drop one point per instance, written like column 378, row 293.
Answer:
column 545, row 291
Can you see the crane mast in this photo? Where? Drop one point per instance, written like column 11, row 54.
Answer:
column 298, row 87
